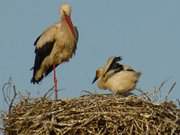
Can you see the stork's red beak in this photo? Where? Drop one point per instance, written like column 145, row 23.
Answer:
column 70, row 24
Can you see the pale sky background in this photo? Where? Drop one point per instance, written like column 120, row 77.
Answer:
column 145, row 33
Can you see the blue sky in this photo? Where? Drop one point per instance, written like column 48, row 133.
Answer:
column 145, row 33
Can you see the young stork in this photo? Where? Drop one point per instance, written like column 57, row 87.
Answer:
column 120, row 79
column 55, row 45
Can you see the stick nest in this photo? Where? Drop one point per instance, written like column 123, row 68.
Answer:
column 92, row 115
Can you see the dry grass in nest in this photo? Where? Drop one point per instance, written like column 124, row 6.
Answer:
column 91, row 114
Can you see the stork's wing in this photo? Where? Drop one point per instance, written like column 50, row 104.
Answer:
column 113, row 67
column 37, row 39
column 77, row 37
column 44, row 44
column 112, row 63
column 77, row 33
column 40, row 55
column 47, row 36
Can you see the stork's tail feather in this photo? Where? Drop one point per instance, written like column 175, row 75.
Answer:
column 34, row 81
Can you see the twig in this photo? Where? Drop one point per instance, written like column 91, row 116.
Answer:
column 88, row 92
column 170, row 90
column 6, row 90
column 50, row 90
column 3, row 91
column 8, row 87
column 162, row 84
column 159, row 89
column 13, row 98
column 141, row 91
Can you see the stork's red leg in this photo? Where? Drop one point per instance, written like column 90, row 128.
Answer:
column 55, row 82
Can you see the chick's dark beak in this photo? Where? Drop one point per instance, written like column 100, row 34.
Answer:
column 95, row 78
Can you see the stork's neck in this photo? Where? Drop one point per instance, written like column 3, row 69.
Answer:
column 67, row 20
column 62, row 18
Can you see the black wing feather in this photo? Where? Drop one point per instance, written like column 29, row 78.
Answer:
column 40, row 55
column 77, row 33
column 77, row 38
column 37, row 39
column 115, row 65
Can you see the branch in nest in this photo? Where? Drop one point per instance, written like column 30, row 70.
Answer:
column 13, row 99
column 48, row 92
column 170, row 90
column 4, row 95
column 143, row 93
column 9, row 87
column 88, row 92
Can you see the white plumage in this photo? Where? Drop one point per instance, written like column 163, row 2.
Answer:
column 118, row 78
column 55, row 45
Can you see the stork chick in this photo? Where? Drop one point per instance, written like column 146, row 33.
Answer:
column 118, row 78
column 55, row 45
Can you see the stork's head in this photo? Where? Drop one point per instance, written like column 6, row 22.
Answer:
column 65, row 9
column 65, row 12
column 99, row 73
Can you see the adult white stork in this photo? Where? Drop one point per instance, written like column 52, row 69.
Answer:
column 119, row 78
column 55, row 45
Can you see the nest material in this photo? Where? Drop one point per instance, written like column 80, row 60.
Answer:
column 92, row 115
